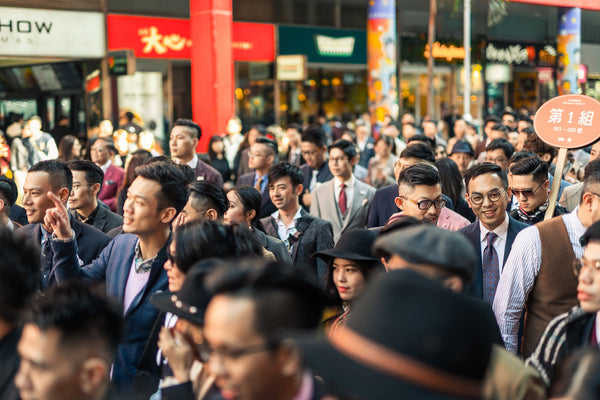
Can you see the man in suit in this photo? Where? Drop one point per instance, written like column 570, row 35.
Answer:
column 102, row 151
column 131, row 266
column 303, row 233
column 183, row 140
column 344, row 201
column 365, row 143
column 487, row 187
column 572, row 194
column 316, row 170
column 53, row 179
column 262, row 156
column 83, row 201
column 8, row 196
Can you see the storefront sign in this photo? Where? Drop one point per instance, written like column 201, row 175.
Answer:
column 32, row 32
column 520, row 54
column 447, row 52
column 292, row 68
column 569, row 121
column 121, row 62
column 498, row 73
column 323, row 45
column 170, row 38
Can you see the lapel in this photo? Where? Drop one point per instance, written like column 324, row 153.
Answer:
column 301, row 226
column 474, row 236
column 271, row 227
column 360, row 194
column 331, row 206
column 510, row 238
column 100, row 221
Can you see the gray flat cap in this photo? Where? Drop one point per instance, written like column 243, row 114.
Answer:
column 428, row 244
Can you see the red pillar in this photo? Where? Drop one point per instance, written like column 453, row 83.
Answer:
column 212, row 66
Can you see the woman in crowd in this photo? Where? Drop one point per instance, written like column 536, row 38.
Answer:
column 350, row 266
column 381, row 166
column 216, row 153
column 453, row 186
column 69, row 149
column 244, row 208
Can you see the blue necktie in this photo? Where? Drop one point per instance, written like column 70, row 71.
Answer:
column 491, row 269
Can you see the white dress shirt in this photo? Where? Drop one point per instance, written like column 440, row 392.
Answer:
column 520, row 272
column 104, row 167
column 499, row 244
column 285, row 231
column 350, row 183
column 193, row 162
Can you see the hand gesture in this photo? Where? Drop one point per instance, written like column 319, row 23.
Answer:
column 178, row 352
column 57, row 218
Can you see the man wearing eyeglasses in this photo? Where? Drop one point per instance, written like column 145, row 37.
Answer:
column 494, row 232
column 577, row 328
column 529, row 184
column 537, row 274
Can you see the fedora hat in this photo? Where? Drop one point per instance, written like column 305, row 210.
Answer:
column 353, row 245
column 406, row 337
column 191, row 300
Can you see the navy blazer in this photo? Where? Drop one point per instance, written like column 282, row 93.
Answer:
column 473, row 233
column 112, row 267
column 267, row 206
column 90, row 242
column 323, row 175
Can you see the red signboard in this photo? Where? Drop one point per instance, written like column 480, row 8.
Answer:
column 570, row 121
column 170, row 38
column 586, row 4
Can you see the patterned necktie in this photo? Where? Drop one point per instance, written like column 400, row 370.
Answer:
column 46, row 260
column 258, row 185
column 491, row 269
column 343, row 201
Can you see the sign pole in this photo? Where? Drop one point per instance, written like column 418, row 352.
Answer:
column 560, row 165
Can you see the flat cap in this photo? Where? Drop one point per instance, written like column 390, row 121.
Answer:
column 428, row 244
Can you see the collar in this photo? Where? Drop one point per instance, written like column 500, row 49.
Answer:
column 104, row 167
column 264, row 177
column 193, row 162
column 573, row 219
column 141, row 265
column 349, row 183
column 297, row 216
column 501, row 230
column 90, row 218
column 10, row 225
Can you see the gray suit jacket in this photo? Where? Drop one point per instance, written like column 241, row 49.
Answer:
column 324, row 206
column 571, row 196
column 314, row 234
column 275, row 246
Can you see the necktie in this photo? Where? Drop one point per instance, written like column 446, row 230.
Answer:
column 343, row 201
column 258, row 184
column 46, row 260
column 490, row 266
column 313, row 180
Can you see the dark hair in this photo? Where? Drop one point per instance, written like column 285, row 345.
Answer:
column 251, row 200
column 501, row 128
column 420, row 151
column 138, row 158
column 509, row 113
column 207, row 194
column 314, row 134
column 60, row 174
column 65, row 148
column 530, row 166
column 451, row 178
column 297, row 127
column 192, row 127
column 110, row 145
column 271, row 144
column 19, row 273
column 492, row 118
column 526, row 119
column 592, row 175
column 420, row 138
column 129, row 116
column 173, row 190
column 283, row 169
column 485, row 168
column 503, row 145
column 285, row 298
column 82, row 317
column 419, row 174
column 519, row 155
column 389, row 142
column 8, row 192
column 536, row 145
column 93, row 173
column 201, row 238
column 211, row 153
column 346, row 146
column 368, row 269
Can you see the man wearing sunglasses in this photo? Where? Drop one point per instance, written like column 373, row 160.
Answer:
column 537, row 274
column 529, row 184
column 576, row 328
column 494, row 232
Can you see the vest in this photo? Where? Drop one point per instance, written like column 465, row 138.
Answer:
column 555, row 289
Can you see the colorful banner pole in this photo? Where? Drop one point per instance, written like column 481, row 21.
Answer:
column 569, row 50
column 382, row 60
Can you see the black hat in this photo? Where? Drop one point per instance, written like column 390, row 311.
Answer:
column 191, row 300
column 407, row 337
column 462, row 146
column 353, row 245
column 428, row 244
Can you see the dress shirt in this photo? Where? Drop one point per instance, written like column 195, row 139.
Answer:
column 500, row 243
column 264, row 183
column 350, row 183
column 10, row 226
column 193, row 162
column 104, row 167
column 136, row 282
column 285, row 231
column 521, row 269
column 313, row 180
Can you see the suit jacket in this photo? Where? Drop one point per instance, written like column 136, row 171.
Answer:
column 90, row 242
column 267, row 206
column 113, row 179
column 112, row 267
column 203, row 172
column 275, row 246
column 473, row 233
column 105, row 220
column 571, row 196
column 324, row 206
column 314, row 234
column 17, row 214
column 367, row 153
column 323, row 175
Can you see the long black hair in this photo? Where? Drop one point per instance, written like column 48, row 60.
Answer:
column 251, row 200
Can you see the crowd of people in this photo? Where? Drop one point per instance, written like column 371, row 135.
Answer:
column 324, row 261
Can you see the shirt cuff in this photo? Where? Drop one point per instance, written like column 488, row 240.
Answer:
column 67, row 240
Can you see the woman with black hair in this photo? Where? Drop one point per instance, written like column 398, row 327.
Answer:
column 244, row 208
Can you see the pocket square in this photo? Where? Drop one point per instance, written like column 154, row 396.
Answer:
column 109, row 182
column 365, row 201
